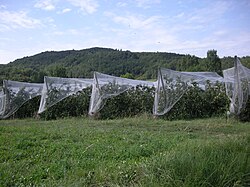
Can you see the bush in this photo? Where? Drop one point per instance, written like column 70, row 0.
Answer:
column 197, row 103
column 72, row 106
column 133, row 102
column 28, row 109
column 245, row 113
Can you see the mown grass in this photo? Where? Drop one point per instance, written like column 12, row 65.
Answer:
column 126, row 152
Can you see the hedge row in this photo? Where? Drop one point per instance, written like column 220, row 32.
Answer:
column 195, row 103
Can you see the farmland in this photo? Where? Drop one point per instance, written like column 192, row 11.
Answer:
column 138, row 151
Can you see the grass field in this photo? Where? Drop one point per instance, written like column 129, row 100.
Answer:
column 126, row 152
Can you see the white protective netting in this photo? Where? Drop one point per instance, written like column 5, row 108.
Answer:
column 171, row 85
column 56, row 89
column 2, row 103
column 106, row 86
column 237, row 86
column 16, row 94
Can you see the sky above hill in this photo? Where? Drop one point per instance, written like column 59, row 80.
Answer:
column 191, row 27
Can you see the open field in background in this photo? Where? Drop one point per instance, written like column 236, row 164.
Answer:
column 125, row 152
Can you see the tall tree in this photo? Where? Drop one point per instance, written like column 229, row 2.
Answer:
column 188, row 63
column 213, row 62
column 57, row 71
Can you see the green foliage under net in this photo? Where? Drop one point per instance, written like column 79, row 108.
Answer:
column 195, row 103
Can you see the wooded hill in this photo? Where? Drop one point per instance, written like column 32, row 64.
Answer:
column 82, row 63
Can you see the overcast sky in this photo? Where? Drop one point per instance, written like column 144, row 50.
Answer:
column 28, row 27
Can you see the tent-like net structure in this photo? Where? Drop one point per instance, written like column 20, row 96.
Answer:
column 56, row 89
column 237, row 81
column 171, row 85
column 106, row 86
column 2, row 103
column 15, row 95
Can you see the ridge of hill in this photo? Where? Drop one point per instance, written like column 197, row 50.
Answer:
column 82, row 63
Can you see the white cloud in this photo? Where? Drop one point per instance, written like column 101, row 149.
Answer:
column 121, row 4
column 45, row 5
column 146, row 3
column 180, row 16
column 141, row 33
column 134, row 21
column 198, row 22
column 220, row 32
column 66, row 10
column 3, row 7
column 74, row 32
column 49, row 20
column 211, row 13
column 4, row 27
column 225, row 43
column 69, row 32
column 6, row 56
column 19, row 19
column 86, row 6
column 6, row 39
column 58, row 33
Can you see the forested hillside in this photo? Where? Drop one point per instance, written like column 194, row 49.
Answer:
column 82, row 63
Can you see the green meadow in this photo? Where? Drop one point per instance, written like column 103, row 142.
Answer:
column 139, row 151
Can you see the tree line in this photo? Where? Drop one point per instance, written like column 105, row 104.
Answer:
column 136, row 65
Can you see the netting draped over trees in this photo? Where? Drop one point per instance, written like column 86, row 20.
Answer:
column 171, row 85
column 2, row 101
column 106, row 86
column 16, row 94
column 2, row 104
column 56, row 89
column 237, row 82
